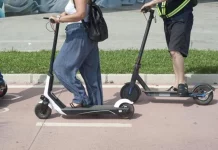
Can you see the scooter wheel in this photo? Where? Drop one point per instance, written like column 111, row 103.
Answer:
column 134, row 95
column 201, row 89
column 129, row 113
column 4, row 91
column 42, row 111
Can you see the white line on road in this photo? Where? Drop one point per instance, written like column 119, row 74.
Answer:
column 115, row 125
column 3, row 110
column 15, row 96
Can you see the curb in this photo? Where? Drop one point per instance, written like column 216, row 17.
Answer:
column 150, row 79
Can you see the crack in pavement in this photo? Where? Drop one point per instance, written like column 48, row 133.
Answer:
column 36, row 136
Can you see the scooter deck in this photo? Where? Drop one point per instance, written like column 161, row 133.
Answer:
column 166, row 94
column 106, row 109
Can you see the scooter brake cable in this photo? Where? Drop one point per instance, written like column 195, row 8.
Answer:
column 145, row 17
column 155, row 18
column 51, row 27
column 60, row 93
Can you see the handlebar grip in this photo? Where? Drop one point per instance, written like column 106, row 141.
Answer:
column 51, row 20
column 146, row 9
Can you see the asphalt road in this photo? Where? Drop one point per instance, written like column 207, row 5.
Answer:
column 158, row 124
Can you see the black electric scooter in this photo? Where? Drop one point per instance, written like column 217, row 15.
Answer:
column 123, row 107
column 201, row 93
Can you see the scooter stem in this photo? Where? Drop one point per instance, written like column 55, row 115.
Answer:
column 53, row 56
column 145, row 36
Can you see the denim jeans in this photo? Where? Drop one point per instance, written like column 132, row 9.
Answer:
column 1, row 77
column 79, row 53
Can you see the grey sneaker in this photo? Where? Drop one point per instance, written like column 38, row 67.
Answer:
column 183, row 90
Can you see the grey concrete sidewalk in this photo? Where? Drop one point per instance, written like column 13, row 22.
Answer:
column 126, row 28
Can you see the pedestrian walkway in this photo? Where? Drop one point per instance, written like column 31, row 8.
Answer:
column 126, row 28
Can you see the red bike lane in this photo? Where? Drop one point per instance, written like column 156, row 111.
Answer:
column 158, row 123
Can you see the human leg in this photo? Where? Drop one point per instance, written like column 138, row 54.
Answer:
column 179, row 47
column 91, row 73
column 70, row 58
column 178, row 66
column 167, row 30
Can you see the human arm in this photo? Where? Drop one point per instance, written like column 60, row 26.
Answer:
column 63, row 14
column 151, row 3
column 77, row 16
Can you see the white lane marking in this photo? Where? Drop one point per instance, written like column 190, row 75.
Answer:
column 3, row 110
column 15, row 97
column 31, row 86
column 115, row 125
column 58, row 91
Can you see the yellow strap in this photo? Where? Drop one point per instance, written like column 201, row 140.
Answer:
column 163, row 6
column 178, row 8
column 162, row 11
column 158, row 9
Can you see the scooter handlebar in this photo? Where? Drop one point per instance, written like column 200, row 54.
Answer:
column 51, row 20
column 146, row 9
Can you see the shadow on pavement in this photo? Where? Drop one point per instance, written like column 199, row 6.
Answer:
column 27, row 94
column 97, row 116
column 143, row 99
column 199, row 69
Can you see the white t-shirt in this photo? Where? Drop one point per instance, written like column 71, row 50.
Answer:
column 70, row 9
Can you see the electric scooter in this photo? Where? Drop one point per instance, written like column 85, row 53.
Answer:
column 201, row 93
column 123, row 107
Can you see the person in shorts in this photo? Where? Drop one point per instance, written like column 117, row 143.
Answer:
column 177, row 28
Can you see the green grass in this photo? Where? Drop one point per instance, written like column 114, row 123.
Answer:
column 122, row 61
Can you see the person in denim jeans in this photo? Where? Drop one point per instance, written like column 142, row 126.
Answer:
column 78, row 53
column 2, row 14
